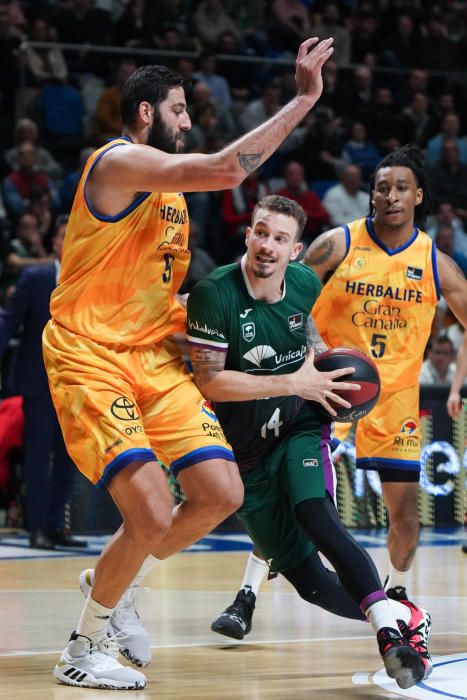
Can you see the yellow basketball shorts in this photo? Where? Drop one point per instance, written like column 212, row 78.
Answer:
column 119, row 404
column 389, row 437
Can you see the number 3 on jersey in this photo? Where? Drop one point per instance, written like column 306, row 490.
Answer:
column 274, row 423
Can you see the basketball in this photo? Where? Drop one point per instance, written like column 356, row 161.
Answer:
column 366, row 374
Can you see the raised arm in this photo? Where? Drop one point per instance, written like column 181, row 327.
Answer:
column 140, row 168
column 326, row 252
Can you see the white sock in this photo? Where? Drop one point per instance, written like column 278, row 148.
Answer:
column 396, row 578
column 94, row 619
column 256, row 570
column 381, row 614
column 401, row 611
column 148, row 564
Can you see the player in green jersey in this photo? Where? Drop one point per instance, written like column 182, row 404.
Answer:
column 252, row 345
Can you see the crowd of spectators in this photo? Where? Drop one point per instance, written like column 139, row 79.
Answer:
column 397, row 75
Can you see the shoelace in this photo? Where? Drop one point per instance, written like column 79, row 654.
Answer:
column 109, row 645
column 421, row 644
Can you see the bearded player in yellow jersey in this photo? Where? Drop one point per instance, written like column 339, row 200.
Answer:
column 119, row 385
column 386, row 279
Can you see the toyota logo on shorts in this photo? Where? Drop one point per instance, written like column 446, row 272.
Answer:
column 123, row 409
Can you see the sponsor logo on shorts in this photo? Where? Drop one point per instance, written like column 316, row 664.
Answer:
column 408, row 426
column 295, row 322
column 214, row 430
column 208, row 410
column 132, row 430
column 114, row 444
column 313, row 462
column 124, row 409
column 248, row 331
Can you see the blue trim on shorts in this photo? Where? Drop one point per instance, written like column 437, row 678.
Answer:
column 200, row 455
column 376, row 463
column 122, row 460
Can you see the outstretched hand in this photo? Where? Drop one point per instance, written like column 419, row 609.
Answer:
column 313, row 385
column 309, row 64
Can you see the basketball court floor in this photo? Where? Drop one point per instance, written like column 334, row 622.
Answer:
column 294, row 652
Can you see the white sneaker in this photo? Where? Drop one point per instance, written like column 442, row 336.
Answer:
column 125, row 624
column 90, row 664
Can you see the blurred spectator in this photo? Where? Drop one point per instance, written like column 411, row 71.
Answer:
column 418, row 81
column 289, row 24
column 27, row 130
column 448, row 179
column 450, row 129
column 216, row 83
column 239, row 76
column 439, row 367
column 250, row 18
column 79, row 22
column 381, row 119
column 438, row 51
column 45, row 65
column 210, row 20
column 445, row 215
column 322, row 146
column 135, row 26
column 402, row 48
column 257, row 111
column 47, row 468
column 330, row 25
column 205, row 130
column 335, row 94
column 70, row 183
column 358, row 150
column 201, row 263
column 21, row 184
column 360, row 93
column 10, row 40
column 108, row 123
column 297, row 189
column 237, row 208
column 365, row 36
column 40, row 208
column 173, row 14
column 346, row 201
column 415, row 124
column 200, row 97
column 445, row 242
column 25, row 249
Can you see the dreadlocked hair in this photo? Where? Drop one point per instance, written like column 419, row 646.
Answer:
column 407, row 156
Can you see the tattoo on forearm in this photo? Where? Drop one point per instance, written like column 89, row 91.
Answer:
column 206, row 364
column 320, row 254
column 249, row 161
column 314, row 340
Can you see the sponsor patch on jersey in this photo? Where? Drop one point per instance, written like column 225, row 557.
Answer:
column 245, row 313
column 208, row 410
column 295, row 322
column 408, row 426
column 414, row 273
column 248, row 331
column 313, row 462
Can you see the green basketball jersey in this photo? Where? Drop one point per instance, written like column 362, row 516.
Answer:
column 258, row 338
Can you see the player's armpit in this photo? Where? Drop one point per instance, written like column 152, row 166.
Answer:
column 453, row 286
column 206, row 364
column 326, row 252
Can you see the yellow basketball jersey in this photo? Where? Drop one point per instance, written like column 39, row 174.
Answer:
column 120, row 274
column 382, row 301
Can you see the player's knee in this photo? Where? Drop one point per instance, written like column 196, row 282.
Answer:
column 150, row 526
column 406, row 522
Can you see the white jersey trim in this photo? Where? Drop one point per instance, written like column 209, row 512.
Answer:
column 202, row 341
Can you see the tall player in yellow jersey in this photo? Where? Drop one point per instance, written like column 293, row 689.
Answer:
column 119, row 385
column 387, row 278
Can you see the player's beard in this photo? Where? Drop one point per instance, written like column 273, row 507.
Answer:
column 160, row 137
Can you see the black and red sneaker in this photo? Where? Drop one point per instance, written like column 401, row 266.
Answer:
column 402, row 662
column 417, row 632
